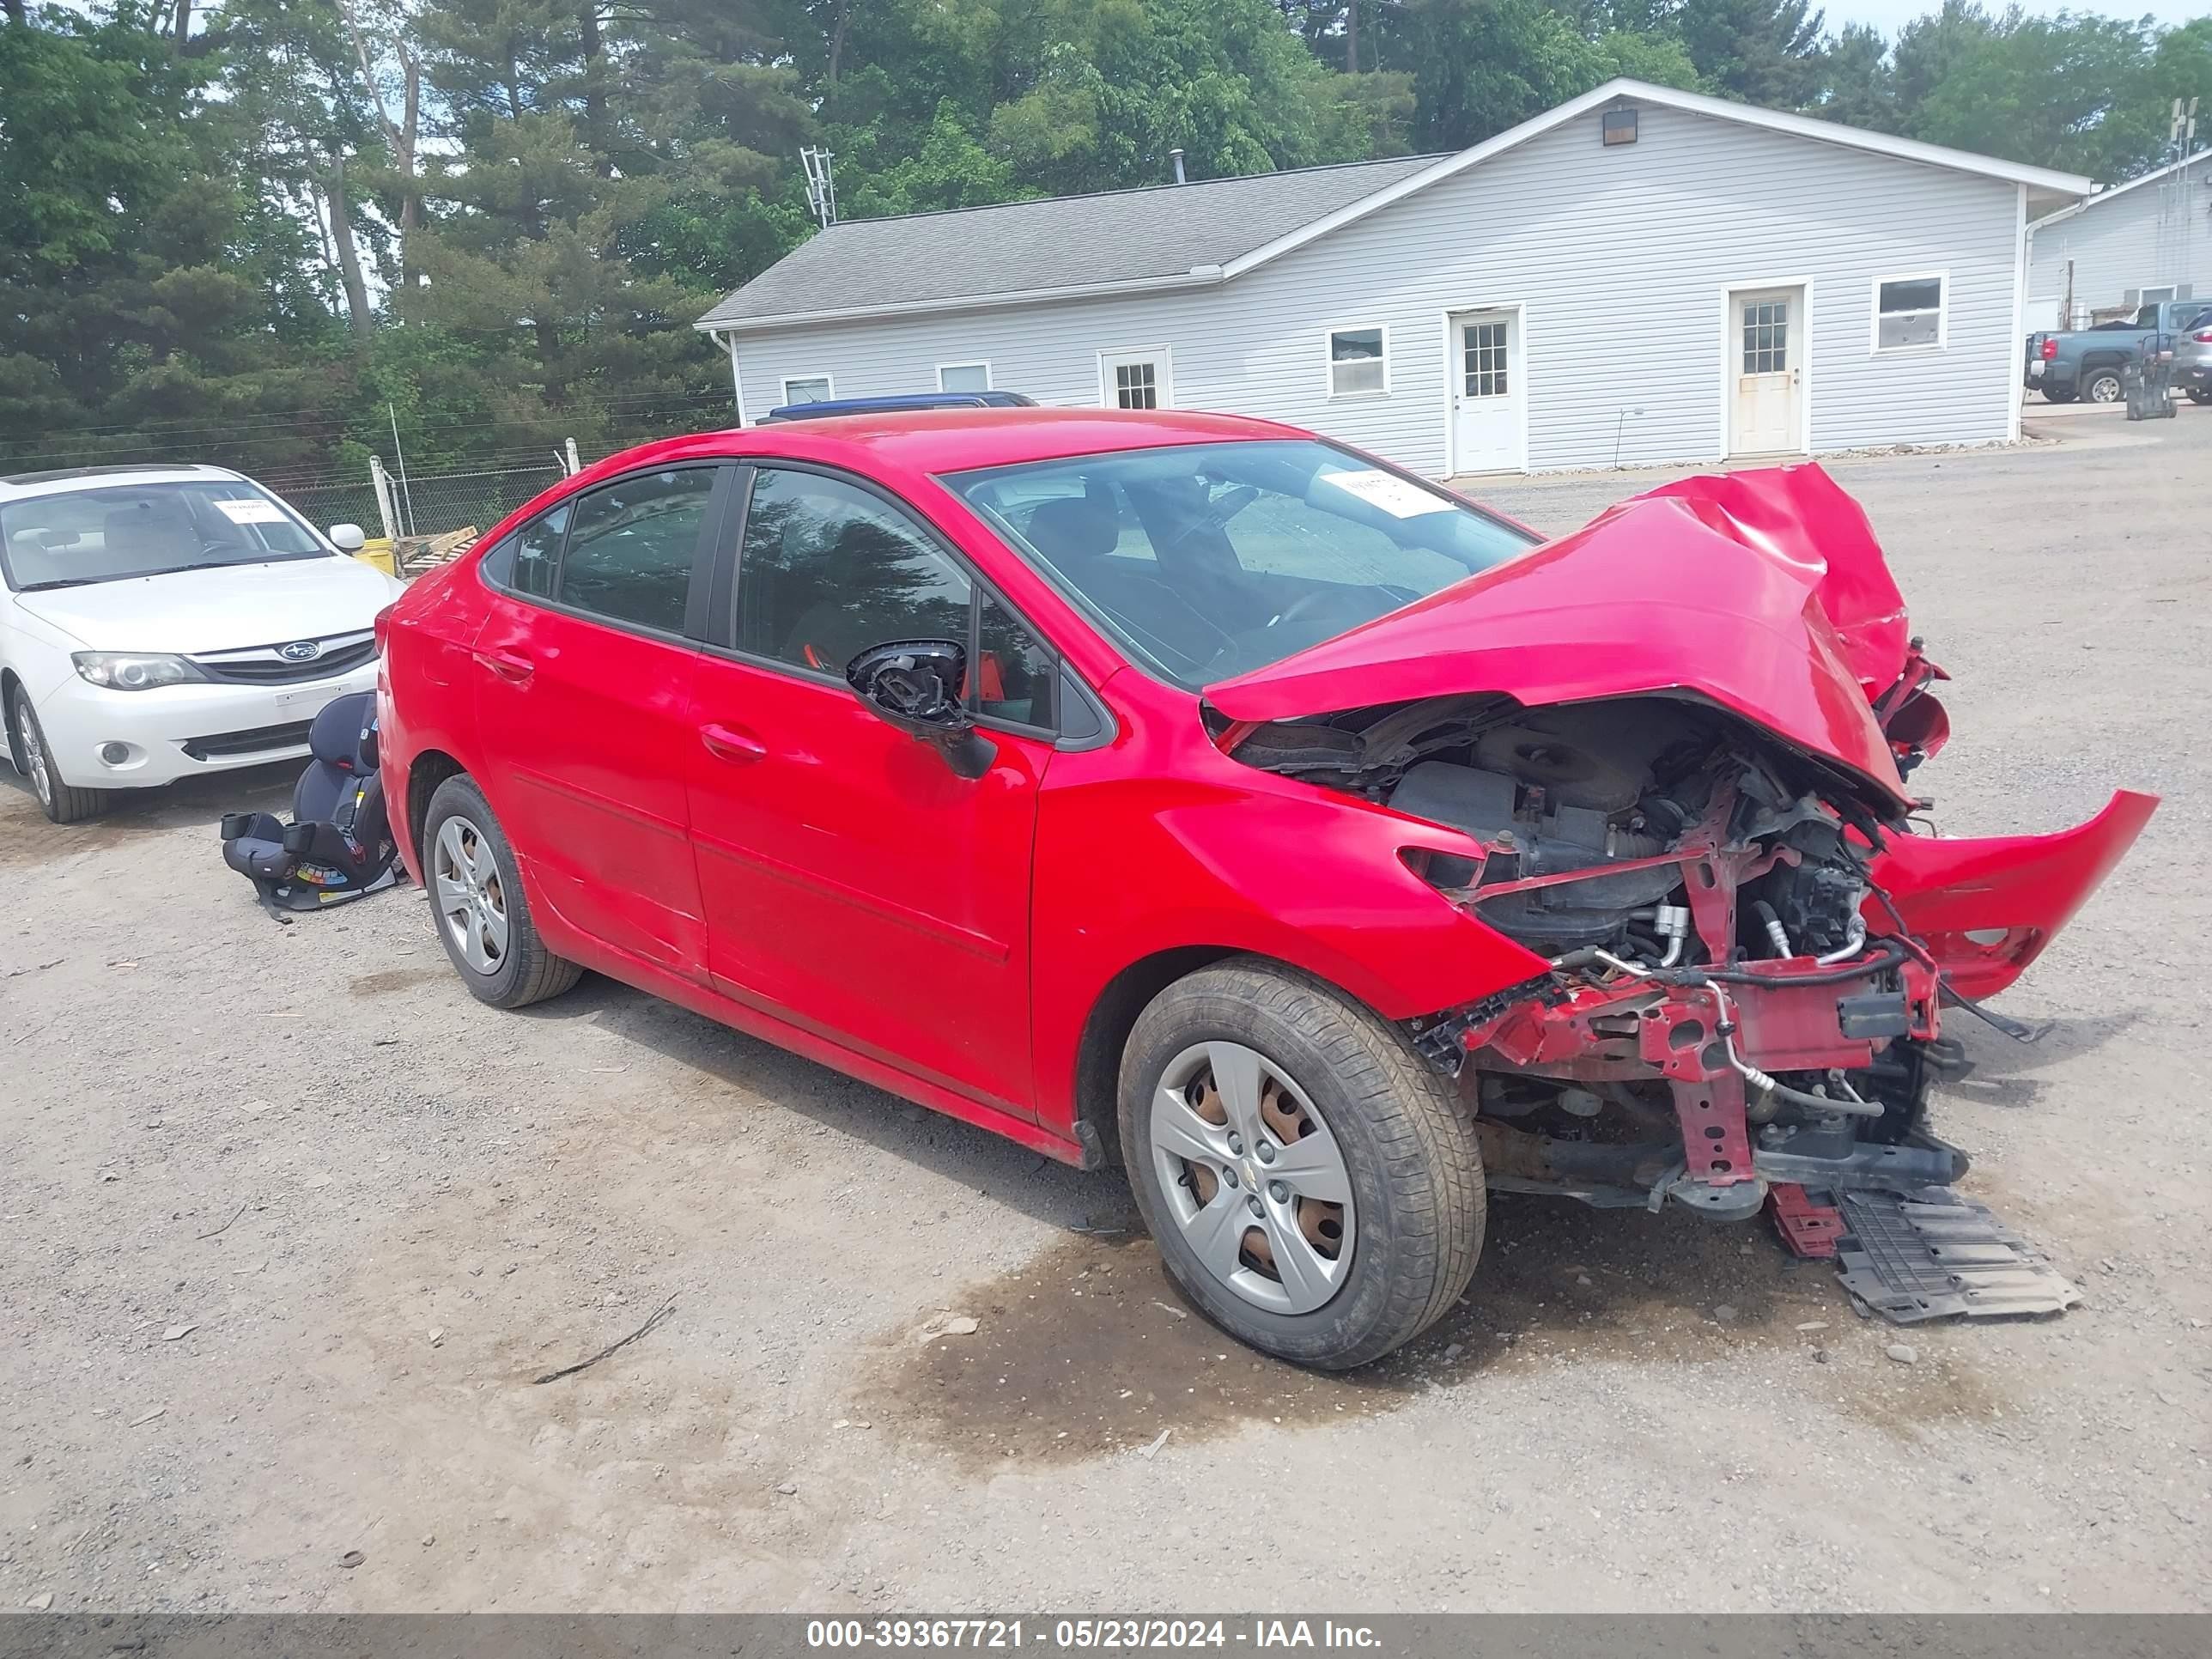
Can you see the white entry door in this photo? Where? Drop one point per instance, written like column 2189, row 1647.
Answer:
column 1767, row 379
column 1487, row 393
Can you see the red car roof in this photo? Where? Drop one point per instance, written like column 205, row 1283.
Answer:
column 957, row 439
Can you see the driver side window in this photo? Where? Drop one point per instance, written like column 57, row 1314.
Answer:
column 828, row 569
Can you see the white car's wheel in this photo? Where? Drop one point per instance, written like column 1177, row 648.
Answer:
column 59, row 801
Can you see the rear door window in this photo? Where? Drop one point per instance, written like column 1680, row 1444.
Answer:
column 525, row 561
column 634, row 545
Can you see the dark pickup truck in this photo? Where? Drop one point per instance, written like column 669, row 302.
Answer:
column 2085, row 362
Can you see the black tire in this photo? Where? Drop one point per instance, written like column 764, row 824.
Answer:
column 524, row 971
column 1408, row 1148
column 2051, row 394
column 62, row 803
column 2200, row 395
column 2103, row 381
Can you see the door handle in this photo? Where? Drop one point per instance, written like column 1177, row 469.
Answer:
column 732, row 744
column 507, row 665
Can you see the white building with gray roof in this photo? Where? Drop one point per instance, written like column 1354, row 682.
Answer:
column 2149, row 238
column 1641, row 275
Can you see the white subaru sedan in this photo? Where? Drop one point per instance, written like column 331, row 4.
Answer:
column 159, row 623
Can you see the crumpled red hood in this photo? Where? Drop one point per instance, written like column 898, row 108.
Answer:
column 1763, row 591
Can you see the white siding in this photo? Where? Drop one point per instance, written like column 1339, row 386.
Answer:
column 2154, row 234
column 1620, row 257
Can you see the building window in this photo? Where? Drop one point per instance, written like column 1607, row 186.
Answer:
column 808, row 389
column 1908, row 310
column 1486, row 346
column 1767, row 337
column 1358, row 361
column 1139, row 379
column 964, row 377
column 1617, row 126
column 2151, row 296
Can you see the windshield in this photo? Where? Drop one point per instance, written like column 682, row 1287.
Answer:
column 113, row 532
column 1208, row 559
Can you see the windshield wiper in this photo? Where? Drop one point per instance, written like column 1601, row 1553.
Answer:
column 56, row 581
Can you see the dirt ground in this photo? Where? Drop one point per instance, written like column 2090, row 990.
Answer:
column 290, row 1224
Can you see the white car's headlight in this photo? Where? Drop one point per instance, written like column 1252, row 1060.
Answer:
column 134, row 671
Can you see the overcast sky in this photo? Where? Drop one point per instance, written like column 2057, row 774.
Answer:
column 1888, row 15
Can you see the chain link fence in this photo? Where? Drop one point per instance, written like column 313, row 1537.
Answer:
column 446, row 502
column 325, row 501
column 419, row 509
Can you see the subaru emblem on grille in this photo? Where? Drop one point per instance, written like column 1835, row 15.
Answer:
column 299, row 651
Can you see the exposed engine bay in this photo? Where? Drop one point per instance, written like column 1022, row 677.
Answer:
column 1662, row 763
column 1702, row 893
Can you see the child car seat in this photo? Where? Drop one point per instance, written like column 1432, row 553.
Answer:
column 339, row 845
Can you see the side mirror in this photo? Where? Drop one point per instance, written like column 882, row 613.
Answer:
column 915, row 685
column 348, row 537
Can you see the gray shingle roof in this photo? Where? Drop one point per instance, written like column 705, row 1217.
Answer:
column 1064, row 242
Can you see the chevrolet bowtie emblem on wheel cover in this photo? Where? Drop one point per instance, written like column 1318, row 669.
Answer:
column 299, row 651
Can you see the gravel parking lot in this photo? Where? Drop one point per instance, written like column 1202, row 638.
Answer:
column 290, row 1223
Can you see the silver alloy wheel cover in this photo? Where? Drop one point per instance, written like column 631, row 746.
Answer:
column 1310, row 1167
column 35, row 756
column 471, row 894
column 2105, row 389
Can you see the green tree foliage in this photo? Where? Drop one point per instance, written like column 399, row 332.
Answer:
column 1484, row 65
column 145, row 279
column 260, row 230
column 1762, row 52
column 2088, row 94
column 1128, row 82
column 540, row 253
column 1857, row 82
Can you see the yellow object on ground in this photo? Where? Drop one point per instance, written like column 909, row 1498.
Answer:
column 379, row 553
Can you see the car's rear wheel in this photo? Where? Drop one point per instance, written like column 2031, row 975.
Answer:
column 483, row 912
column 2051, row 394
column 2200, row 395
column 62, row 803
column 1313, row 1184
column 2103, row 385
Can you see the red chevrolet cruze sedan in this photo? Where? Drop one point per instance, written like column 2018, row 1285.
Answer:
column 1192, row 792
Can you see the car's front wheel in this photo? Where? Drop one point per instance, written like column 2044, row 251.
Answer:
column 1313, row 1184
column 62, row 803
column 2200, row 395
column 476, row 894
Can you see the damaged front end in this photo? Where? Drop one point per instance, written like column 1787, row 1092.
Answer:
column 1686, row 793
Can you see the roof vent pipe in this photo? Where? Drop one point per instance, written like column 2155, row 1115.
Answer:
column 1176, row 156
